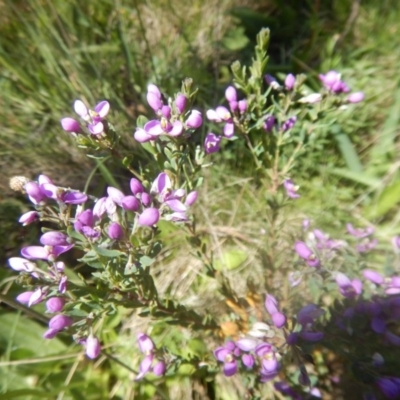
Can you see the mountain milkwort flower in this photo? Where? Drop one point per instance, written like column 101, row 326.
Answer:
column 49, row 253
column 348, row 288
column 93, row 346
column 180, row 103
column 222, row 114
column 55, row 304
column 149, row 217
column 212, row 143
column 28, row 217
column 271, row 305
column 194, row 120
column 306, row 254
column 269, row 123
column 332, row 81
column 290, row 81
column 291, row 189
column 228, row 354
column 70, row 125
column 147, row 347
column 355, row 97
column 269, row 363
column 115, row 231
column 289, row 123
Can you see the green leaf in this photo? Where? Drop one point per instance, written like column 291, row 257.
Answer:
column 386, row 201
column 107, row 253
column 230, row 259
column 146, row 261
column 347, row 149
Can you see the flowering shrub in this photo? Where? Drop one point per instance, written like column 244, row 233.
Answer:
column 326, row 296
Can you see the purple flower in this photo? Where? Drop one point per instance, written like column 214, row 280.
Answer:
column 366, row 245
column 60, row 322
column 389, row 386
column 227, row 354
column 269, row 363
column 212, row 143
column 154, row 97
column 180, row 103
column 222, row 114
column 24, row 297
column 49, row 253
column 242, row 105
column 166, row 112
column 355, row 97
column 159, row 368
column 347, row 287
column 230, row 94
column 308, row 314
column 136, row 186
column 248, row 361
column 359, row 233
column 194, row 120
column 62, row 286
column 147, row 347
column 55, row 304
column 115, row 231
column 130, row 203
column 289, row 123
column 291, row 189
column 70, row 125
column 290, row 81
column 21, row 264
column 306, row 253
column 269, row 123
column 35, row 193
column 115, row 194
column 271, row 305
column 149, row 217
column 54, row 238
column 28, row 217
column 93, row 347
column 191, row 198
column 332, row 81
column 373, row 276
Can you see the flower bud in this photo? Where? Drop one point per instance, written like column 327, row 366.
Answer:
column 28, row 218
column 149, row 217
column 290, row 81
column 60, row 322
column 195, row 120
column 212, row 143
column 242, row 106
column 136, row 186
column 54, row 238
column 70, row 125
column 180, row 102
column 159, row 368
column 230, row 94
column 115, row 231
column 93, row 347
column 355, row 97
column 24, row 297
column 191, row 198
column 55, row 304
column 130, row 203
column 166, row 111
column 34, row 192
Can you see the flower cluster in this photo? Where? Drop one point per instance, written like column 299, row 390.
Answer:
column 150, row 363
column 171, row 117
column 94, row 119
